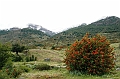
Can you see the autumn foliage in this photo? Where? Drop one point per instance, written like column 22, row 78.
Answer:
column 90, row 55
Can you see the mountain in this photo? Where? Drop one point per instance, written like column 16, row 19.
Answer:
column 109, row 27
column 39, row 36
column 40, row 28
column 24, row 36
column 108, row 21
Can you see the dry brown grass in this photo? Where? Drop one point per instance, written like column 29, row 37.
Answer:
column 51, row 74
column 41, row 54
column 117, row 53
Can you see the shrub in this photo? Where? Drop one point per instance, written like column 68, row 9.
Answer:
column 12, row 73
column 17, row 58
column 27, row 59
column 8, row 64
column 53, row 47
column 42, row 67
column 90, row 56
column 35, row 58
column 4, row 75
column 24, row 68
column 31, row 58
column 15, row 72
column 4, row 55
column 9, row 71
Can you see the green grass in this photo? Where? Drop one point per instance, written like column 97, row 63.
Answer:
column 61, row 73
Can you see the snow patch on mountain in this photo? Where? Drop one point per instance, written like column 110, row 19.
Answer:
column 39, row 27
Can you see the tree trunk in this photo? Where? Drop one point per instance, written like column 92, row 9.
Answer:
column 17, row 53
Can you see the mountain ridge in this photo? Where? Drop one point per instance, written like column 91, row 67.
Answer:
column 33, row 34
column 109, row 27
column 40, row 28
column 34, row 27
column 24, row 36
column 107, row 21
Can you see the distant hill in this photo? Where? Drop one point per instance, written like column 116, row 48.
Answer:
column 110, row 27
column 108, row 21
column 24, row 36
column 39, row 36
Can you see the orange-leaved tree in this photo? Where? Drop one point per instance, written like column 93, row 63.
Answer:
column 90, row 55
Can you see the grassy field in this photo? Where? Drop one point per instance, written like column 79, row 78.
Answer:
column 53, row 55
column 60, row 72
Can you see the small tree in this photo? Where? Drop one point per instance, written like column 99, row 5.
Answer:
column 17, row 48
column 90, row 55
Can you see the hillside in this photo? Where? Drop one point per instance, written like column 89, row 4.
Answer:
column 24, row 36
column 110, row 27
column 39, row 36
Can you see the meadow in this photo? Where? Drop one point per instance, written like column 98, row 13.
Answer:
column 58, row 70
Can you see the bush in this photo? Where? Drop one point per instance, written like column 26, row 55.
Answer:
column 53, row 47
column 9, row 71
column 31, row 58
column 24, row 68
column 27, row 59
column 17, row 58
column 13, row 73
column 4, row 55
column 35, row 59
column 4, row 75
column 90, row 56
column 42, row 67
column 8, row 64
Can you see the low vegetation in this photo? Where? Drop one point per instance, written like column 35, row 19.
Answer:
column 91, row 57
column 48, row 63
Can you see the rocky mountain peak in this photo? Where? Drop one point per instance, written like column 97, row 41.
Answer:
column 40, row 28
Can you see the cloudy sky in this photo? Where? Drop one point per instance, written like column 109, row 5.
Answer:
column 55, row 15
